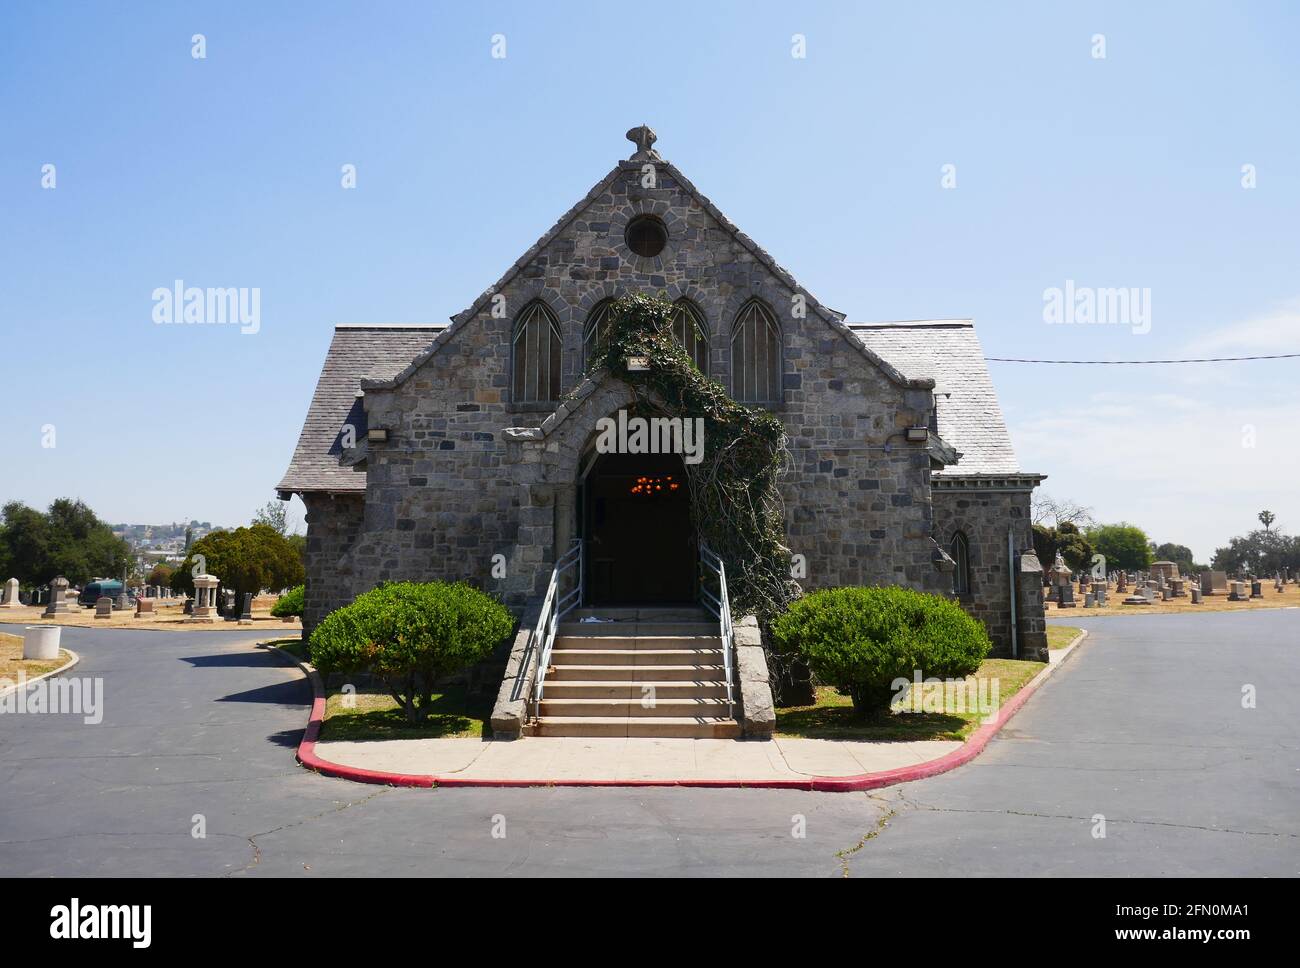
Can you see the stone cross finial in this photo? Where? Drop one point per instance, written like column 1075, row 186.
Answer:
column 644, row 138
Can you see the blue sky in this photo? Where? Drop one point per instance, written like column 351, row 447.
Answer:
column 1122, row 171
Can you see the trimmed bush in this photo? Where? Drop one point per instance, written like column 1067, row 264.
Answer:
column 409, row 635
column 290, row 603
column 861, row 639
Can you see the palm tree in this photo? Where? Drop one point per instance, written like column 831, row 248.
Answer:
column 1266, row 518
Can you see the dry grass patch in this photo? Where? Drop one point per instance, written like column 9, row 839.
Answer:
column 1059, row 636
column 832, row 716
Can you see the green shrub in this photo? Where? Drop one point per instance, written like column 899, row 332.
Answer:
column 862, row 639
column 410, row 635
column 290, row 603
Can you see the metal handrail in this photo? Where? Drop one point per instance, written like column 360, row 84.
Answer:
column 555, row 606
column 719, row 606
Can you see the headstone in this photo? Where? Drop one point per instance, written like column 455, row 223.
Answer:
column 1099, row 591
column 1061, row 577
column 188, row 607
column 1165, row 593
column 246, row 613
column 1196, row 594
column 1089, row 600
column 1166, row 570
column 1256, row 588
column 205, row 599
column 1214, row 583
column 1237, row 592
column 104, row 607
column 58, row 598
column 10, row 597
column 1179, row 586
column 1121, row 583
column 144, row 606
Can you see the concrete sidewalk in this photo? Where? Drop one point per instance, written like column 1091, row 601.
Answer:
column 631, row 758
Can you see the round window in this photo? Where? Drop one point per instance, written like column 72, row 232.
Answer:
column 646, row 235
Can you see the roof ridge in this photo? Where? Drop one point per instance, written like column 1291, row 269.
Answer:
column 390, row 326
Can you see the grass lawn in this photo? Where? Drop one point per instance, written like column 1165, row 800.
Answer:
column 1059, row 636
column 832, row 717
column 374, row 714
column 11, row 659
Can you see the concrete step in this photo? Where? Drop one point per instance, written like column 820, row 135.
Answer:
column 627, row 673
column 635, row 629
column 637, row 657
column 649, row 613
column 634, row 708
column 657, row 726
column 640, row 643
column 622, row 689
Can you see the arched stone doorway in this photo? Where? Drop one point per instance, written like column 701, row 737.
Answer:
column 635, row 519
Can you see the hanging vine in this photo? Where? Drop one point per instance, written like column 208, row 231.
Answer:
column 735, row 499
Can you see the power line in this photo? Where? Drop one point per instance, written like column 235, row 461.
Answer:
column 1213, row 359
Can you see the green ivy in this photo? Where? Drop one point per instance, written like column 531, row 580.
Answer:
column 735, row 501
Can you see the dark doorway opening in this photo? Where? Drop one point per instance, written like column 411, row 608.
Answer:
column 640, row 543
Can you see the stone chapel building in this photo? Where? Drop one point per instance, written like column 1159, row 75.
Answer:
column 438, row 451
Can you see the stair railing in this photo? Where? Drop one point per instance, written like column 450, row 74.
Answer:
column 555, row 606
column 719, row 606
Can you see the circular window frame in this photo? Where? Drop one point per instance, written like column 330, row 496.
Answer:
column 649, row 219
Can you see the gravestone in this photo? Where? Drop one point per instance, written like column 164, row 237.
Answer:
column 205, row 599
column 104, row 607
column 10, row 598
column 1237, row 591
column 1061, row 577
column 1089, row 600
column 1165, row 570
column 1214, row 583
column 1196, row 594
column 1099, row 592
column 188, row 607
column 58, row 599
column 246, row 613
column 1256, row 588
column 1121, row 583
column 1165, row 593
column 144, row 606
column 1179, row 586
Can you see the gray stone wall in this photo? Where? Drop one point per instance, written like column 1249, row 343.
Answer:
column 984, row 516
column 448, row 491
column 333, row 525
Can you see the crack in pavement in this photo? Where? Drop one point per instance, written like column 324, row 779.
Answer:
column 339, row 808
column 881, row 825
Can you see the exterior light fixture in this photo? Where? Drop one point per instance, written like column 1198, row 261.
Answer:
column 377, row 435
column 918, row 434
column 638, row 363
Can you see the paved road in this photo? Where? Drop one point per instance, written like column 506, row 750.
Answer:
column 1144, row 726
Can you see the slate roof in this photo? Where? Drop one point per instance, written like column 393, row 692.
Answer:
column 358, row 350
column 949, row 352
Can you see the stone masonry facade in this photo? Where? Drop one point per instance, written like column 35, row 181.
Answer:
column 465, row 474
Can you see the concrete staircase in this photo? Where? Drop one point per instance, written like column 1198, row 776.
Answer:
column 652, row 672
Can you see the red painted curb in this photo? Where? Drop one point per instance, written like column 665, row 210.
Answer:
column 825, row 784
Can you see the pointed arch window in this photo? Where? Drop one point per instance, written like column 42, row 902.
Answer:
column 959, row 552
column 536, row 350
column 595, row 330
column 756, row 355
column 692, row 332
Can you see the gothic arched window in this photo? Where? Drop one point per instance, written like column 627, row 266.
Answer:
column 692, row 333
column 535, row 370
column 959, row 551
column 755, row 355
column 595, row 330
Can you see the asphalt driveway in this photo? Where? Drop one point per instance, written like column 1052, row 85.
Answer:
column 1143, row 729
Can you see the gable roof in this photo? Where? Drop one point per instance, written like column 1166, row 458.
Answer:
column 358, row 350
column 948, row 351
column 834, row 319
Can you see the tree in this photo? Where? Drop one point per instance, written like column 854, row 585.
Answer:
column 1122, row 545
column 1047, row 511
column 1180, row 555
column 1073, row 547
column 274, row 514
column 245, row 559
column 1262, row 552
column 1266, row 518
column 161, row 575
column 67, row 540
